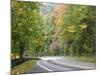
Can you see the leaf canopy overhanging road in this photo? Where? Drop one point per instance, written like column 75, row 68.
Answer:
column 64, row 30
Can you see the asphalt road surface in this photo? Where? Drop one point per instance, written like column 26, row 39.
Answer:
column 59, row 64
column 47, row 65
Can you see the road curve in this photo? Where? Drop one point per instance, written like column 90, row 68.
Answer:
column 50, row 66
column 59, row 64
column 43, row 66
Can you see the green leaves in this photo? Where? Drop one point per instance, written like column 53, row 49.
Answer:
column 26, row 25
column 79, row 26
column 32, row 32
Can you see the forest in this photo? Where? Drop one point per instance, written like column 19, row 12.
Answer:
column 47, row 29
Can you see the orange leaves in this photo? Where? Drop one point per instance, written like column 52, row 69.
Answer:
column 57, row 32
column 58, row 13
column 60, row 9
column 58, row 21
column 53, row 45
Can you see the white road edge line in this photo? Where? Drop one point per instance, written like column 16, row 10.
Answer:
column 43, row 67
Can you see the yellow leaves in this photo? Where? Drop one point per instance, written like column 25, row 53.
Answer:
column 35, row 41
column 30, row 29
column 71, row 29
column 19, row 24
column 83, row 26
column 17, row 56
column 21, row 12
column 14, row 56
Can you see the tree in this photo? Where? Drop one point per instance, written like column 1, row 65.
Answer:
column 79, row 30
column 26, row 26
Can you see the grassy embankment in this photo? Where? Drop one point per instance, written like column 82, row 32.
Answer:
column 91, row 59
column 24, row 67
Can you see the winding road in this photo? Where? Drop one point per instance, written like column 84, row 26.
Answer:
column 58, row 64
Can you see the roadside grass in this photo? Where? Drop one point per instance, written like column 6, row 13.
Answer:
column 24, row 67
column 91, row 59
